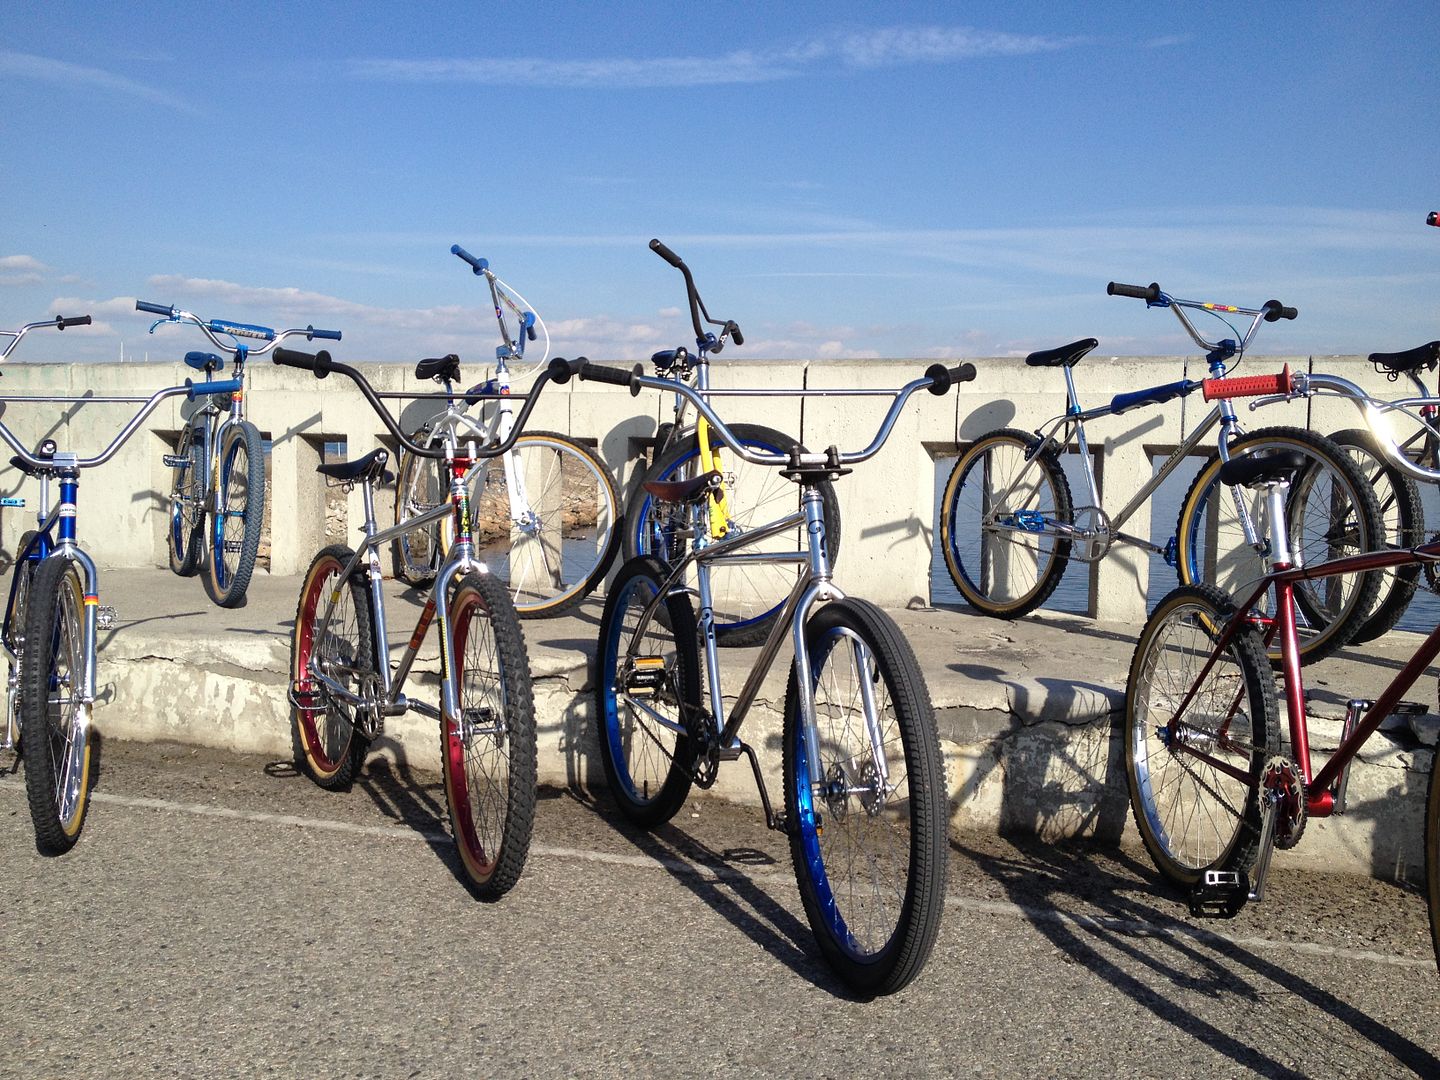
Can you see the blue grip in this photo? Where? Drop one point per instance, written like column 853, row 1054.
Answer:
column 327, row 335
column 155, row 309
column 228, row 386
column 480, row 265
column 1153, row 396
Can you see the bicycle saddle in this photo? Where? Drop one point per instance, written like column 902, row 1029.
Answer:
column 682, row 491
column 439, row 367
column 1426, row 355
column 203, row 361
column 1266, row 467
column 45, row 451
column 1064, row 356
column 369, row 467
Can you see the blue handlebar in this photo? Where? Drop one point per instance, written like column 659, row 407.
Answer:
column 235, row 329
column 479, row 265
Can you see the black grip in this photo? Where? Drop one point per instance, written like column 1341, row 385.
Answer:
column 666, row 254
column 154, row 309
column 78, row 320
column 735, row 334
column 561, row 370
column 1433, row 219
column 319, row 362
column 614, row 376
column 1274, row 310
column 1149, row 293
column 942, row 378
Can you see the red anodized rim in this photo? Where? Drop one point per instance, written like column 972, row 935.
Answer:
column 304, row 643
column 472, row 850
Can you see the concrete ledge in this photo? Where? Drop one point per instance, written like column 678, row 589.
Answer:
column 1028, row 712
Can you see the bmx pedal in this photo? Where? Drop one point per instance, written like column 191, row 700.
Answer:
column 1220, row 894
column 647, row 675
column 176, row 461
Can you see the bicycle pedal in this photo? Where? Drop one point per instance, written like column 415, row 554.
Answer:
column 105, row 617
column 176, row 461
column 1220, row 894
column 1355, row 708
column 233, row 547
column 12, row 501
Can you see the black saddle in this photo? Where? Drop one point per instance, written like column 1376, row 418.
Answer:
column 683, row 491
column 369, row 467
column 1064, row 356
column 439, row 367
column 1266, row 467
column 1398, row 363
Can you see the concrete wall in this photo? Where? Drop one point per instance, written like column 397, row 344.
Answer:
column 887, row 504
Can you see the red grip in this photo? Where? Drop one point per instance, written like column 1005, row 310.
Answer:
column 1248, row 385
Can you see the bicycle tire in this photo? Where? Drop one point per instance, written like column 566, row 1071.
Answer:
column 55, row 726
column 974, row 568
column 187, row 505
column 871, row 874
column 553, row 554
column 327, row 745
column 1230, row 564
column 235, row 530
column 1402, row 517
column 1432, row 853
column 422, row 484
column 489, row 774
column 745, row 598
column 1191, row 817
column 23, row 576
column 648, row 766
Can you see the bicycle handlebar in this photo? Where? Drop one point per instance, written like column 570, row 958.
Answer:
column 215, row 328
column 477, row 264
column 1217, row 351
column 705, row 341
column 937, row 379
column 559, row 370
column 59, row 322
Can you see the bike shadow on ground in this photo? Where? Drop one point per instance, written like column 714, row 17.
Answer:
column 1130, row 938
column 717, row 878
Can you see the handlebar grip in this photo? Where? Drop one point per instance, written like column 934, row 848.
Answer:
column 1274, row 310
column 1249, row 385
column 1433, row 219
column 78, row 320
column 326, row 335
column 319, row 363
column 561, row 370
column 735, row 334
column 478, row 265
column 666, row 254
column 1148, row 293
column 614, row 376
column 155, row 309
column 942, row 378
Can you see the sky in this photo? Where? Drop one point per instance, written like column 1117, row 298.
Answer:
column 928, row 180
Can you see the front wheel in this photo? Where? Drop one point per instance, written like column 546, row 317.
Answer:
column 546, row 519
column 866, row 799
column 55, row 717
column 1194, row 774
column 647, row 690
column 332, row 670
column 236, row 525
column 747, row 597
column 1002, row 521
column 488, row 756
column 187, row 503
column 1330, row 512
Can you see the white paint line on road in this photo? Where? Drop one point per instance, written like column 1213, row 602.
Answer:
column 1092, row 923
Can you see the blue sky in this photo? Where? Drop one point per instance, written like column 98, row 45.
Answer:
column 926, row 180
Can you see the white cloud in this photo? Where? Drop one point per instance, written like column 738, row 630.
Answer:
column 61, row 73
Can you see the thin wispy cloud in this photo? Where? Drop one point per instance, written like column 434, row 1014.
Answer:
column 21, row 270
column 18, row 65
column 868, row 50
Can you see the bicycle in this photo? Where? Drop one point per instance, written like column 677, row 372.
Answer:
column 218, row 468
column 1212, row 790
column 51, row 619
column 547, row 512
column 343, row 683
column 866, row 805
column 1009, row 525
column 744, row 594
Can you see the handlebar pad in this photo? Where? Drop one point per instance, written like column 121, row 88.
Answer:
column 1249, row 385
column 326, row 335
column 560, row 370
column 79, row 320
column 479, row 265
column 942, row 377
column 1148, row 293
column 319, row 363
column 665, row 253
column 1275, row 310
column 1433, row 219
column 155, row 309
column 614, row 376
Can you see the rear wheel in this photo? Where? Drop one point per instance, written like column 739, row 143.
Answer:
column 332, row 671
column 235, row 530
column 55, row 717
column 187, row 504
column 489, row 758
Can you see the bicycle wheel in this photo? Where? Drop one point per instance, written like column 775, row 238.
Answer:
column 648, row 684
column 1432, row 853
column 55, row 721
column 869, row 836
column 552, row 537
column 489, row 759
column 998, row 518
column 22, row 578
column 328, row 746
column 422, row 485
column 235, row 530
column 1402, row 519
column 747, row 598
column 1330, row 511
column 1192, row 816
column 187, row 504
